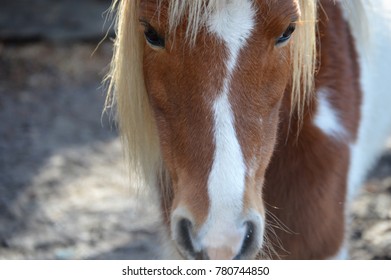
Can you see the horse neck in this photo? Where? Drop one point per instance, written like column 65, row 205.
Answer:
column 306, row 181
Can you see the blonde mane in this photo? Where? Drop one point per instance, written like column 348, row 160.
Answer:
column 126, row 82
column 127, row 93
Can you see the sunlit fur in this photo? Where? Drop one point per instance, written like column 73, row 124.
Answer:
column 126, row 82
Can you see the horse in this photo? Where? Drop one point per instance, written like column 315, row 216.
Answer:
column 255, row 121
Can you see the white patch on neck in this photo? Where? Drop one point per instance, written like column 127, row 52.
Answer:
column 375, row 60
column 327, row 118
column 226, row 184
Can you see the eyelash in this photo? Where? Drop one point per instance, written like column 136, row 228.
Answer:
column 286, row 35
column 152, row 36
column 156, row 41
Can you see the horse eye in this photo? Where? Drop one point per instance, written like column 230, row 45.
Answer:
column 287, row 34
column 152, row 37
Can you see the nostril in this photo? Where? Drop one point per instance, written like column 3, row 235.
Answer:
column 184, row 236
column 249, row 240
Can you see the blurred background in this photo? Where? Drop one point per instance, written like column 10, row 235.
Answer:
column 63, row 187
column 64, row 192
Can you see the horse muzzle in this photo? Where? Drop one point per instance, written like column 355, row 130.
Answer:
column 227, row 240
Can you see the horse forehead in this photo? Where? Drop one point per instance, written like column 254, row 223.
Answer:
column 233, row 22
column 230, row 12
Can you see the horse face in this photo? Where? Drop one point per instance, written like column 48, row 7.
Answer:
column 216, row 105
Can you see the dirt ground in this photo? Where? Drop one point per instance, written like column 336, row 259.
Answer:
column 63, row 186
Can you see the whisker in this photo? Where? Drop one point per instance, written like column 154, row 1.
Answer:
column 278, row 223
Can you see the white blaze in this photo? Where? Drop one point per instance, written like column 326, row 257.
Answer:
column 226, row 184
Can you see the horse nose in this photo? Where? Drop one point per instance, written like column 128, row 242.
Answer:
column 220, row 243
column 241, row 244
